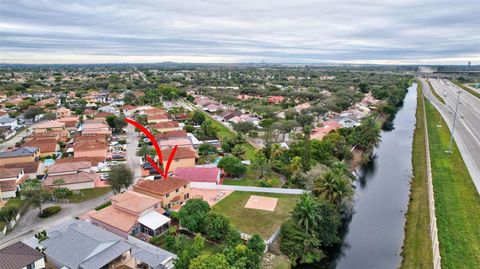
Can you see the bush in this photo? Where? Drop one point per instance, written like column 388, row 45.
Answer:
column 155, row 240
column 102, row 206
column 50, row 211
column 122, row 142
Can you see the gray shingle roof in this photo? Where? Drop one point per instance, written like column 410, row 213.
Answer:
column 151, row 255
column 18, row 256
column 23, row 151
column 78, row 244
column 7, row 120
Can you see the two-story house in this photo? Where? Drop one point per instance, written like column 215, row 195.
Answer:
column 19, row 155
column 172, row 192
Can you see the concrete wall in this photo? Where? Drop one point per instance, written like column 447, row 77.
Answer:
column 38, row 264
column 110, row 228
column 17, row 159
column 7, row 194
column 79, row 186
column 91, row 153
column 180, row 163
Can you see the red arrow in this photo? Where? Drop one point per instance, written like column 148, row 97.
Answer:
column 144, row 130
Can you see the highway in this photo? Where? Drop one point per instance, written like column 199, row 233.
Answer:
column 467, row 125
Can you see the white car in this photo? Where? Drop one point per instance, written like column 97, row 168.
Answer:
column 104, row 176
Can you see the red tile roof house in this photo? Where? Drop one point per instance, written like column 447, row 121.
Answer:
column 71, row 123
column 158, row 118
column 200, row 177
column 47, row 146
column 275, row 99
column 75, row 176
column 132, row 213
column 10, row 181
column 94, row 146
column 166, row 126
column 29, row 168
column 173, row 192
column 171, row 135
column 96, row 128
column 328, row 126
column 184, row 157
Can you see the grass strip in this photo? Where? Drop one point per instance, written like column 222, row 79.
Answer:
column 457, row 201
column 472, row 92
column 435, row 93
column 417, row 247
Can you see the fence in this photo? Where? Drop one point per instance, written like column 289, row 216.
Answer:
column 247, row 188
column 431, row 201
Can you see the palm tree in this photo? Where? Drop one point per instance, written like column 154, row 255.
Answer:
column 306, row 213
column 333, row 187
column 33, row 191
column 275, row 152
column 295, row 164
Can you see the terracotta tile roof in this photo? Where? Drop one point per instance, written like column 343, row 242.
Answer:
column 176, row 142
column 93, row 160
column 172, row 134
column 89, row 145
column 160, row 187
column 134, row 202
column 10, row 172
column 45, row 145
column 49, row 124
column 18, row 255
column 116, row 218
column 8, row 185
column 28, row 167
column 72, row 166
column 59, row 133
column 155, row 111
column 103, row 114
column 71, row 178
column 158, row 117
column 198, row 174
column 165, row 125
column 93, row 121
column 89, row 137
column 181, row 153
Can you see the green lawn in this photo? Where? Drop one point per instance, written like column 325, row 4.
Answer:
column 88, row 194
column 209, row 246
column 223, row 132
column 14, row 202
column 253, row 221
column 104, row 205
column 432, row 90
column 459, row 84
column 250, row 179
column 456, row 199
column 417, row 247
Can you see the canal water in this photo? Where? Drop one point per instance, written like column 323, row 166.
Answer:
column 374, row 237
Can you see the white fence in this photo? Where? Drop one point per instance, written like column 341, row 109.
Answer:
column 247, row 188
column 431, row 201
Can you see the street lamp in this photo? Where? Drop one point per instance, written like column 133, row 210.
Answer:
column 453, row 125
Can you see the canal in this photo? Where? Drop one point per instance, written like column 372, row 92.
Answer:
column 374, row 237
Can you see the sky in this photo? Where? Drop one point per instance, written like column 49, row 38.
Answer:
column 226, row 31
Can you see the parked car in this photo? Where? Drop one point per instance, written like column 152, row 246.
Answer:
column 104, row 177
column 153, row 172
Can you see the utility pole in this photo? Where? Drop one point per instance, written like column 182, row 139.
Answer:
column 453, row 126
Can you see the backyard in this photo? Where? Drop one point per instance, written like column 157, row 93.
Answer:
column 253, row 221
column 88, row 194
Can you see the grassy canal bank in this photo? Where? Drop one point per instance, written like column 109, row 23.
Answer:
column 417, row 247
column 457, row 201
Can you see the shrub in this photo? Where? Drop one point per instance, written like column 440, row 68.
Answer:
column 50, row 211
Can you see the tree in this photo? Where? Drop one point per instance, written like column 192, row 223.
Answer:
column 198, row 117
column 216, row 226
column 120, row 176
column 190, row 253
column 49, row 116
column 62, row 193
column 206, row 148
column 244, row 127
column 7, row 214
column 240, row 256
column 209, row 261
column 175, row 243
column 192, row 215
column 32, row 112
column 367, row 135
column 232, row 166
column 306, row 151
column 260, row 165
column 334, row 187
column 238, row 150
column 295, row 165
column 314, row 225
column 207, row 130
column 256, row 244
column 34, row 192
column 189, row 128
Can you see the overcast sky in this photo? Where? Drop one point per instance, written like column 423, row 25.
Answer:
column 274, row 31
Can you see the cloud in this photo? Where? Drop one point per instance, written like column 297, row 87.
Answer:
column 301, row 31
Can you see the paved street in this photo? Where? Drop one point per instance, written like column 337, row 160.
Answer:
column 30, row 223
column 467, row 126
column 133, row 161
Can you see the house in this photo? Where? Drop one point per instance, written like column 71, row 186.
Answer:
column 169, row 135
column 71, row 122
column 109, row 109
column 158, row 118
column 206, row 177
column 73, row 175
column 128, row 110
column 29, row 168
column 22, row 154
column 47, row 146
column 183, row 142
column 46, row 102
column 51, row 125
column 10, row 123
column 320, row 132
column 276, row 99
column 10, row 179
column 122, row 217
column 347, row 122
column 301, row 107
column 3, row 114
column 184, row 157
column 60, row 135
column 166, row 126
column 149, row 111
column 63, row 112
column 96, row 128
column 103, row 115
column 172, row 192
column 90, row 146
column 21, row 256
column 77, row 244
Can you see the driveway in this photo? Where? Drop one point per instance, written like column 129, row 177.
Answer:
column 133, row 161
column 30, row 223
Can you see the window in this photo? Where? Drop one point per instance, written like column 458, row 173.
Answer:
column 31, row 266
column 186, row 196
column 185, row 186
column 177, row 190
column 166, row 195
